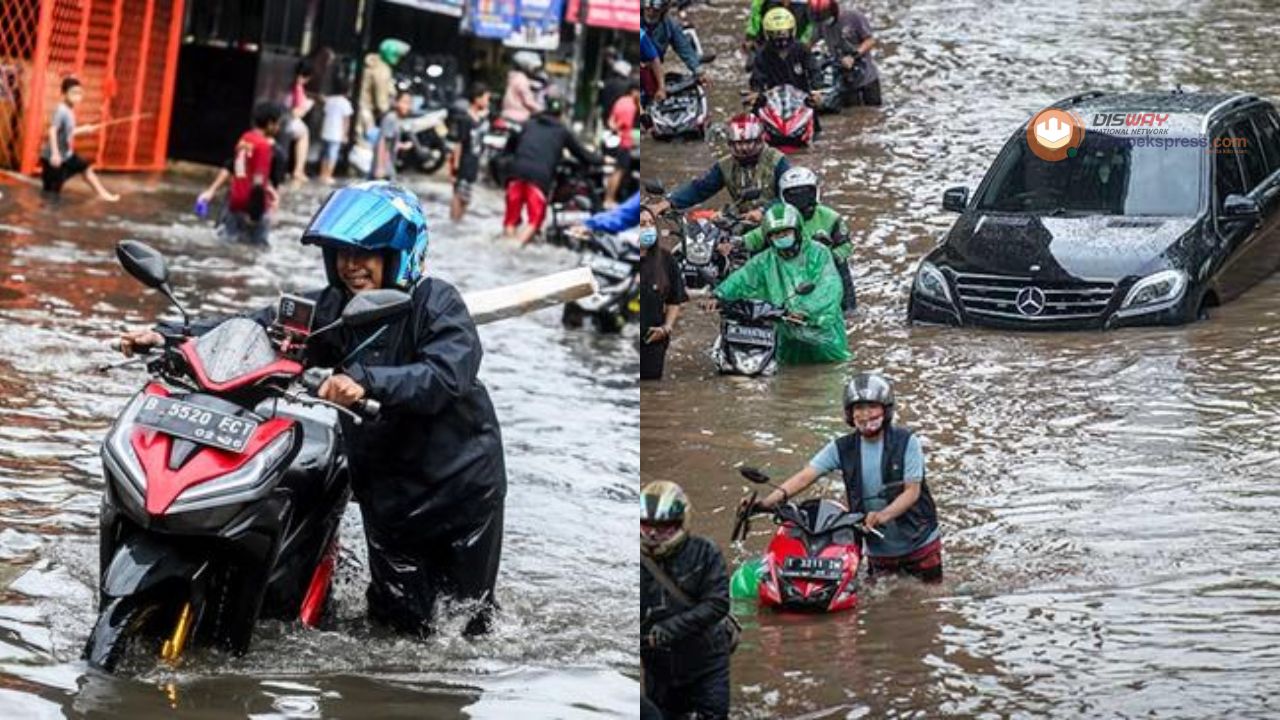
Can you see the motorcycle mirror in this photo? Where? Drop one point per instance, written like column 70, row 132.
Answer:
column 804, row 288
column 653, row 187
column 143, row 262
column 708, row 58
column 373, row 306
column 754, row 475
column 582, row 203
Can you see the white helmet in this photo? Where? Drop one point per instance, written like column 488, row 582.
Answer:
column 622, row 68
column 527, row 60
column 799, row 186
column 797, row 177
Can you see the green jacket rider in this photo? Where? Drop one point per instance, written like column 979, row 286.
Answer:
column 773, row 276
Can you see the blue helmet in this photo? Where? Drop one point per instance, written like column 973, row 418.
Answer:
column 372, row 216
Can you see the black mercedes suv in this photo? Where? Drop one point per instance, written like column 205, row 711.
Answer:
column 1170, row 204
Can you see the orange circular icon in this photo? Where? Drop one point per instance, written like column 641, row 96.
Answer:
column 1054, row 134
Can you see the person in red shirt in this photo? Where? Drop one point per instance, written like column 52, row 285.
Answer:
column 252, row 196
column 622, row 120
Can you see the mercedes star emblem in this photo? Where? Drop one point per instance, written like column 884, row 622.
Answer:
column 1030, row 301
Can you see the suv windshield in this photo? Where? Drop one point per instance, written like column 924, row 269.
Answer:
column 1108, row 175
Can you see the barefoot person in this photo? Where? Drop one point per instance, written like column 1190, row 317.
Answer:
column 58, row 160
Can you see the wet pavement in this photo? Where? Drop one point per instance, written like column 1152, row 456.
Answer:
column 1108, row 499
column 564, row 645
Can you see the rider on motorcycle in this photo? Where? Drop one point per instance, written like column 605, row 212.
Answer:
column 784, row 61
column 429, row 472
column 821, row 223
column 750, row 165
column 665, row 31
column 684, row 646
column 848, row 38
column 883, row 469
column 774, row 275
column 519, row 100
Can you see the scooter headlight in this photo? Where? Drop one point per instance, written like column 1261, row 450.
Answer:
column 751, row 363
column 1156, row 291
column 931, row 283
column 118, row 456
column 242, row 484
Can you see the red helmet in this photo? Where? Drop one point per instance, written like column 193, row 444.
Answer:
column 822, row 9
column 746, row 136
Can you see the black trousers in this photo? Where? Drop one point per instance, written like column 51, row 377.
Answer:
column 846, row 279
column 653, row 357
column 706, row 694
column 865, row 95
column 408, row 579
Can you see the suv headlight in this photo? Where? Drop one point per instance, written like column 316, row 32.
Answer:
column 931, row 283
column 1162, row 288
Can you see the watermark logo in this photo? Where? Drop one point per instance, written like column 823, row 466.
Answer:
column 1054, row 134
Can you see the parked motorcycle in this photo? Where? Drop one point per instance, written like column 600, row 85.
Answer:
column 704, row 236
column 812, row 561
column 225, row 482
column 615, row 262
column 493, row 155
column 428, row 135
column 683, row 112
column 787, row 116
column 748, row 340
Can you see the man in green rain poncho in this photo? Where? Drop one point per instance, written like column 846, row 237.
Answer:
column 822, row 224
column 773, row 276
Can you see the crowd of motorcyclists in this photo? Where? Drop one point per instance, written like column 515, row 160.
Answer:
column 777, row 247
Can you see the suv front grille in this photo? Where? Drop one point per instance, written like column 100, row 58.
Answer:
column 1017, row 298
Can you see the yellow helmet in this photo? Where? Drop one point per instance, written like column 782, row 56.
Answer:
column 779, row 21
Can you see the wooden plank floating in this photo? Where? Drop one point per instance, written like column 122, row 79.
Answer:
column 509, row 301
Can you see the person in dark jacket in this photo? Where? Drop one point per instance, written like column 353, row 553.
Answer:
column 429, row 471
column 684, row 646
column 784, row 61
column 883, row 469
column 662, row 292
column 847, row 35
column 535, row 153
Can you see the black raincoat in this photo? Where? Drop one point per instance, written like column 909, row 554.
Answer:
column 691, row 674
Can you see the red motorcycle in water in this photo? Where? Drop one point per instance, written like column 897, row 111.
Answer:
column 788, row 118
column 812, row 560
column 226, row 481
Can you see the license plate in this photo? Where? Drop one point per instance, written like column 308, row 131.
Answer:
column 748, row 335
column 611, row 268
column 820, row 568
column 197, row 424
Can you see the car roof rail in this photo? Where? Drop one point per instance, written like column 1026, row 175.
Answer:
column 1086, row 95
column 1229, row 103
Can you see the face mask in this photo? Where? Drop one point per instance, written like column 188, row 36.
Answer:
column 783, row 241
column 648, row 237
column 870, row 428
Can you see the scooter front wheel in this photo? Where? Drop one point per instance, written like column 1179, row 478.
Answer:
column 122, row 622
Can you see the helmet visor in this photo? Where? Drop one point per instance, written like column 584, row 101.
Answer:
column 804, row 198
column 746, row 149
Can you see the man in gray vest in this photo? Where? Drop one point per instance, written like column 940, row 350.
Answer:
column 883, row 469
column 750, row 164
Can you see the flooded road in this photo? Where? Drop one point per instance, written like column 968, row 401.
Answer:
column 564, row 644
column 1108, row 500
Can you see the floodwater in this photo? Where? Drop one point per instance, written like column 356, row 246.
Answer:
column 1108, row 500
column 564, row 644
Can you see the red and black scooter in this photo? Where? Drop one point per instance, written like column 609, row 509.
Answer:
column 225, row 482
column 812, row 561
column 787, row 115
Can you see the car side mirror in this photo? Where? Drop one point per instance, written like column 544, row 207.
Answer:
column 143, row 262
column 372, row 306
column 1240, row 207
column 955, row 199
